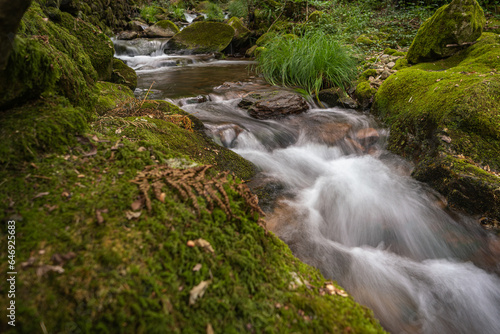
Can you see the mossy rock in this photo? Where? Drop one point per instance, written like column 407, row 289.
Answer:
column 265, row 38
column 364, row 40
column 47, row 125
column 459, row 22
column 240, row 30
column 46, row 58
column 111, row 96
column 389, row 51
column 96, row 44
column 371, row 72
column 364, row 93
column 203, row 37
column 400, row 63
column 449, row 107
column 315, row 16
column 123, row 74
column 399, row 54
column 162, row 29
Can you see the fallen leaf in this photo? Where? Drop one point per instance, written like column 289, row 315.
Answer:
column 80, row 176
column 197, row 267
column 99, row 217
column 198, row 291
column 42, row 270
column 204, row 244
column 332, row 290
column 210, row 329
column 28, row 263
column 162, row 197
column 131, row 215
column 41, row 195
column 141, row 149
column 137, row 205
column 51, row 207
column 190, row 243
column 118, row 131
column 65, row 194
column 33, row 165
column 93, row 151
column 95, row 138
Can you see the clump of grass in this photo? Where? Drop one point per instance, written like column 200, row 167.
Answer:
column 148, row 14
column 312, row 62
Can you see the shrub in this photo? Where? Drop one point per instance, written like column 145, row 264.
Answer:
column 313, row 62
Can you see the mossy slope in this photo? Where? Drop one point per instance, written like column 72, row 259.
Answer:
column 134, row 275
column 446, row 110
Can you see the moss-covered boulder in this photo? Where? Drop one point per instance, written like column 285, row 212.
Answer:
column 96, row 44
column 364, row 93
column 162, row 29
column 203, row 37
column 364, row 40
column 445, row 116
column 46, row 58
column 123, row 74
column 111, row 96
column 452, row 26
column 240, row 31
column 262, row 40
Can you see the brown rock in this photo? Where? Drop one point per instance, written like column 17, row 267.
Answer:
column 367, row 137
column 273, row 105
column 331, row 133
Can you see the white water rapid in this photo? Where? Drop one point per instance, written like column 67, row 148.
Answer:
column 347, row 206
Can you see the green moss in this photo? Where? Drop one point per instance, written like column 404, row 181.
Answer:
column 97, row 45
column 449, row 106
column 135, row 275
column 240, row 30
column 364, row 91
column 203, row 37
column 111, row 95
column 265, row 38
column 400, row 63
column 364, row 40
column 389, row 51
column 167, row 24
column 49, row 124
column 46, row 58
column 399, row 54
column 123, row 74
column 455, row 23
column 371, row 72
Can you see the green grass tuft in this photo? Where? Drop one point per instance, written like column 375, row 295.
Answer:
column 313, row 62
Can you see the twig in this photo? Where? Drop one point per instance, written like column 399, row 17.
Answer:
column 145, row 97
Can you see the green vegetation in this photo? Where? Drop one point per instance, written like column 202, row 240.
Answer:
column 312, row 62
column 456, row 99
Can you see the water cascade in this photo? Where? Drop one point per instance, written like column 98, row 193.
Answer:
column 344, row 204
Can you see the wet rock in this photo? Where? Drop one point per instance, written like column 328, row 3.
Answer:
column 127, row 35
column 330, row 96
column 348, row 102
column 137, row 26
column 123, row 74
column 367, row 137
column 459, row 23
column 162, row 29
column 272, row 105
column 11, row 13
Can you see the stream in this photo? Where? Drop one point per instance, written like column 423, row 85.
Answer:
column 347, row 207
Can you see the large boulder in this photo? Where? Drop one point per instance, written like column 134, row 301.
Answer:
column 273, row 105
column 445, row 116
column 96, row 44
column 452, row 27
column 203, row 37
column 162, row 29
column 123, row 74
column 11, row 13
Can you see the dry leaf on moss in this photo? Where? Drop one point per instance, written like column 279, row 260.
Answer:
column 131, row 215
column 198, row 291
column 204, row 244
column 197, row 267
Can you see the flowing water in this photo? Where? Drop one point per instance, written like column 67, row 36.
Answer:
column 343, row 203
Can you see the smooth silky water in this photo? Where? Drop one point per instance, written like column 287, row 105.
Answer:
column 354, row 212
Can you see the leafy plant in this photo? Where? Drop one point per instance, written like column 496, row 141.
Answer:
column 214, row 12
column 313, row 62
column 148, row 13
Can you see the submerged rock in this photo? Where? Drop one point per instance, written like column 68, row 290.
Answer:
column 275, row 104
column 202, row 37
column 454, row 25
